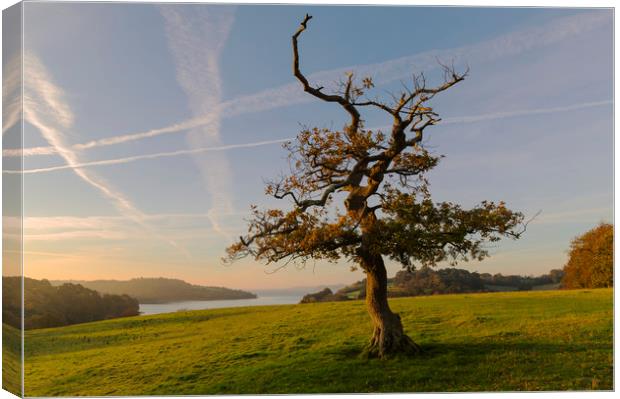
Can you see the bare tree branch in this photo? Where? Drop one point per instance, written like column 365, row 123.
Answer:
column 344, row 102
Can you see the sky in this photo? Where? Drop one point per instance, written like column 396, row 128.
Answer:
column 150, row 129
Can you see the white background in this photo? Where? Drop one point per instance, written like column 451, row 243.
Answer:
column 529, row 3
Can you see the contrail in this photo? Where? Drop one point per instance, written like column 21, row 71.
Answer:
column 196, row 36
column 118, row 161
column 45, row 109
column 450, row 120
column 11, row 93
column 385, row 72
column 510, row 114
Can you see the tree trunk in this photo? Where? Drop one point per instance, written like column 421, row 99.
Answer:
column 388, row 337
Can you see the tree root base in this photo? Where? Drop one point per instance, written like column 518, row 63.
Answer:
column 383, row 347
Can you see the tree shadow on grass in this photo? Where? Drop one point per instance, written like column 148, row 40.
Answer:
column 474, row 350
column 486, row 366
column 431, row 350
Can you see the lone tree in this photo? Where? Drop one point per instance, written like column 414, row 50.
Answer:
column 386, row 211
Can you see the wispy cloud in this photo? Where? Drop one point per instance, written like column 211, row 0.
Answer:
column 196, row 35
column 175, row 128
column 53, row 223
column 11, row 93
column 124, row 160
column 385, row 72
column 46, row 109
column 56, row 228
column 590, row 215
column 511, row 114
column 98, row 234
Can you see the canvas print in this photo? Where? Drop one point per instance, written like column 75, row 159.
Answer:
column 206, row 199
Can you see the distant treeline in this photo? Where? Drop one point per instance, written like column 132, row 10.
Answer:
column 427, row 281
column 162, row 290
column 522, row 283
column 46, row 305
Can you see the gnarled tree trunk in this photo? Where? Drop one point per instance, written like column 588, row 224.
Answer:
column 388, row 337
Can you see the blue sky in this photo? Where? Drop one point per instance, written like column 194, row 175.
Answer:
column 150, row 129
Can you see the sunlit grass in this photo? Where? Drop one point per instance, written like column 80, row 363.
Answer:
column 11, row 360
column 551, row 340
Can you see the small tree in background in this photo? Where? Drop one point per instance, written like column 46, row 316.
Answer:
column 556, row 275
column 591, row 259
column 386, row 209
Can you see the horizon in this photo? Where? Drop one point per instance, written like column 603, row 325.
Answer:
column 207, row 284
column 144, row 150
column 284, row 288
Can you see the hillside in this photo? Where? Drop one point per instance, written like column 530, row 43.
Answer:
column 46, row 305
column 161, row 290
column 537, row 340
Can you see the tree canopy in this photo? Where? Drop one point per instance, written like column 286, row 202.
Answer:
column 591, row 259
column 380, row 173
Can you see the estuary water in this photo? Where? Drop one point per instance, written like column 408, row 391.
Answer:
column 157, row 308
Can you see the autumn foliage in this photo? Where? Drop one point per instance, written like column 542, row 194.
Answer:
column 591, row 259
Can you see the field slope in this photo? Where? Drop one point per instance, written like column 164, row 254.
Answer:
column 553, row 340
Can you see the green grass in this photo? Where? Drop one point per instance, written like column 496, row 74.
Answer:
column 546, row 340
column 552, row 286
column 500, row 288
column 353, row 294
column 11, row 360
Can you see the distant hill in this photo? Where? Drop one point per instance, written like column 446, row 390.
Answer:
column 161, row 290
column 300, row 290
column 46, row 305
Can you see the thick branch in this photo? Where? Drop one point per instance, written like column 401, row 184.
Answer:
column 344, row 102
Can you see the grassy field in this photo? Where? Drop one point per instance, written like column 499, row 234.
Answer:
column 547, row 340
column 11, row 359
